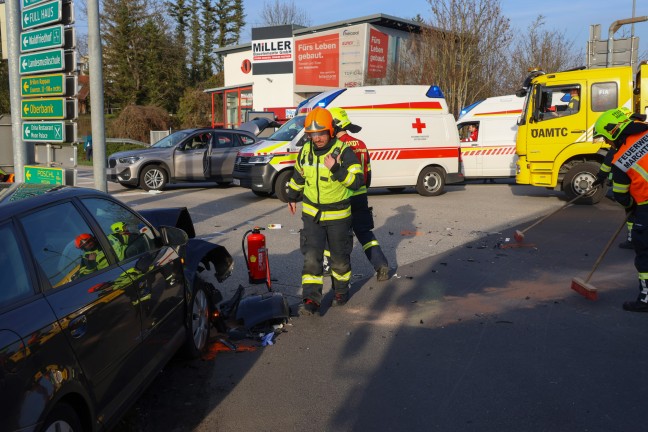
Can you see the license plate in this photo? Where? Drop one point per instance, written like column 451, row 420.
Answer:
column 236, row 182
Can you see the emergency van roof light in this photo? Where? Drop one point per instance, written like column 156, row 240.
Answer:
column 466, row 110
column 328, row 99
column 434, row 92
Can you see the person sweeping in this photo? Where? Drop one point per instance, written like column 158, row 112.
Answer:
column 630, row 186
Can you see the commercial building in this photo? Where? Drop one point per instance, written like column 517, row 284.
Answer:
column 284, row 65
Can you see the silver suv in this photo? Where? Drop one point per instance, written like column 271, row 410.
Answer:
column 187, row 155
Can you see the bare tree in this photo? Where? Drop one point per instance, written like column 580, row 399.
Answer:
column 546, row 50
column 462, row 51
column 283, row 13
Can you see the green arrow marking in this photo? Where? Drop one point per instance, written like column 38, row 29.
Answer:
column 46, row 61
column 44, row 131
column 43, row 175
column 34, row 40
column 44, row 14
column 43, row 85
column 52, row 108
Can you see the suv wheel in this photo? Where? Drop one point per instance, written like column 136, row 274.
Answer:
column 153, row 177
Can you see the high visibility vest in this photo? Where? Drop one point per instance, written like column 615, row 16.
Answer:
column 320, row 187
column 631, row 159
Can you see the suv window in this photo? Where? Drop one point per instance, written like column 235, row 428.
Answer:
column 127, row 234
column 63, row 244
column 246, row 140
column 14, row 278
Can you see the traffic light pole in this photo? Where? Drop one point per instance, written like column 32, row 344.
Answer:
column 96, row 97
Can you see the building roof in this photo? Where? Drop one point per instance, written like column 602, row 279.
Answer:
column 376, row 19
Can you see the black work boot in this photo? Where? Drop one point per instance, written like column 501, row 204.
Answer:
column 340, row 299
column 382, row 274
column 635, row 306
column 308, row 308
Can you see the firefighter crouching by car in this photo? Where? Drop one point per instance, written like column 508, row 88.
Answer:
column 630, row 186
column 325, row 176
column 361, row 217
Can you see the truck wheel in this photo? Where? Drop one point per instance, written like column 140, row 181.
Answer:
column 281, row 185
column 431, row 181
column 153, row 177
column 579, row 179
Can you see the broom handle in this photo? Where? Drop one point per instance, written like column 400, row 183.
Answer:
column 606, row 248
column 551, row 214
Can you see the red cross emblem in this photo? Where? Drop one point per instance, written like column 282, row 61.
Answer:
column 419, row 126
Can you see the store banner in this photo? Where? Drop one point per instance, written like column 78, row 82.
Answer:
column 317, row 61
column 377, row 61
column 272, row 50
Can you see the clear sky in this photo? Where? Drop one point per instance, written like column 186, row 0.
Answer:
column 574, row 17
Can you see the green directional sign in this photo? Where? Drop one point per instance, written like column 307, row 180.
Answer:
column 45, row 61
column 49, row 37
column 43, row 85
column 49, row 108
column 41, row 15
column 44, row 175
column 44, row 131
column 29, row 3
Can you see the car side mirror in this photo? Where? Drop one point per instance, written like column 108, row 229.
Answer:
column 172, row 236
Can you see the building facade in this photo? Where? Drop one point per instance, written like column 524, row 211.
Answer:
column 285, row 65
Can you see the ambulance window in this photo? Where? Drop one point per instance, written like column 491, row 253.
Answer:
column 605, row 96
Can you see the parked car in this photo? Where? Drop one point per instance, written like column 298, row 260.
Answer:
column 94, row 300
column 187, row 155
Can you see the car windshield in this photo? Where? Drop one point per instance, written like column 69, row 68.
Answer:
column 289, row 130
column 171, row 140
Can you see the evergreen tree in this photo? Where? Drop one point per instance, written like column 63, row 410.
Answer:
column 231, row 20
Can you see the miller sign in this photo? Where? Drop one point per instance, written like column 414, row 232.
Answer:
column 272, row 50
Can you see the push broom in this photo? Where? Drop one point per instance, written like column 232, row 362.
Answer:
column 519, row 235
column 583, row 287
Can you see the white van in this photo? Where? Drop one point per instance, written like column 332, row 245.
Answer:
column 411, row 137
column 492, row 153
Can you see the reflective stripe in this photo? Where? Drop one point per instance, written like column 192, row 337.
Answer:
column 362, row 190
column 643, row 276
column 641, row 171
column 312, row 279
column 620, row 188
column 372, row 243
column 605, row 168
column 344, row 278
column 327, row 253
column 326, row 215
column 293, row 185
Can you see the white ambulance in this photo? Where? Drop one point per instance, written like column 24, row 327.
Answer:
column 490, row 151
column 411, row 137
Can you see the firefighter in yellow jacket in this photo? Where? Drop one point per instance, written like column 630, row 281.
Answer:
column 630, row 186
column 325, row 176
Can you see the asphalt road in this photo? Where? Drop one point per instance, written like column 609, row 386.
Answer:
column 467, row 335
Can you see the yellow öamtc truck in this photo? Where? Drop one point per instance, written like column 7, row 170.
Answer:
column 554, row 140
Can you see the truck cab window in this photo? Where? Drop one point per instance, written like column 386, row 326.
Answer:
column 555, row 102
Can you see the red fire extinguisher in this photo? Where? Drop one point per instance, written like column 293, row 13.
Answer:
column 256, row 256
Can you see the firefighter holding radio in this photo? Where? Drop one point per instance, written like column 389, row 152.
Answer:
column 326, row 174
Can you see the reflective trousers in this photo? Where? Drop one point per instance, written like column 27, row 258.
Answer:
column 313, row 239
column 362, row 226
column 640, row 243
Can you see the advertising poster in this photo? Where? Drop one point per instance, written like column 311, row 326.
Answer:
column 351, row 56
column 272, row 50
column 377, row 61
column 317, row 61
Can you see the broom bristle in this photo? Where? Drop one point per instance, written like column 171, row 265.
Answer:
column 519, row 236
column 585, row 289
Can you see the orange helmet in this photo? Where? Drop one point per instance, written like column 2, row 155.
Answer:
column 85, row 241
column 319, row 120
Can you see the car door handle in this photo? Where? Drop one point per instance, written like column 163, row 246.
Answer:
column 474, row 145
column 534, row 151
column 578, row 131
column 78, row 326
